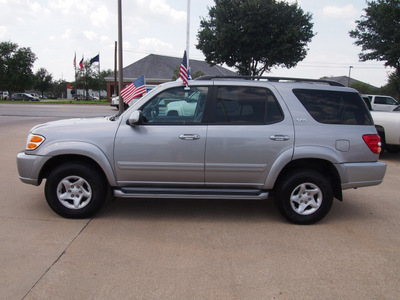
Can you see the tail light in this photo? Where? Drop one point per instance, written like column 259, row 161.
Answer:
column 373, row 142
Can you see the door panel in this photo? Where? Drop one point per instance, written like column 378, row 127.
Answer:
column 240, row 155
column 249, row 133
column 157, row 154
column 167, row 148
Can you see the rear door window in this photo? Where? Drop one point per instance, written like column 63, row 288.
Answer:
column 334, row 107
column 246, row 105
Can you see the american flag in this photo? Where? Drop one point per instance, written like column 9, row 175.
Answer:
column 183, row 71
column 135, row 89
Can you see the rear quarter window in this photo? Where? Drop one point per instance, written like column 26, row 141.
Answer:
column 334, row 107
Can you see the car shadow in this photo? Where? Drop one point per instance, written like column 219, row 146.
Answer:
column 185, row 209
column 389, row 156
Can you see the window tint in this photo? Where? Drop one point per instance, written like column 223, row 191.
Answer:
column 380, row 100
column 385, row 100
column 246, row 105
column 332, row 107
column 176, row 105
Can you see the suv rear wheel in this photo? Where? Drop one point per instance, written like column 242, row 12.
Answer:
column 75, row 190
column 304, row 196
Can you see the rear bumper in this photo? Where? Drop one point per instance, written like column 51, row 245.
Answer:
column 362, row 174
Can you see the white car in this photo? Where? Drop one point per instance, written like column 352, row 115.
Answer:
column 382, row 102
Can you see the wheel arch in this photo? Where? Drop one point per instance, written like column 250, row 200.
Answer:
column 322, row 166
column 56, row 161
column 84, row 152
column 381, row 132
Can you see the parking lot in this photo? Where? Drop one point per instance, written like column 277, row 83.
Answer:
column 181, row 249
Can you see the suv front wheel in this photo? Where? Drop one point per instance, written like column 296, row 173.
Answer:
column 304, row 196
column 75, row 190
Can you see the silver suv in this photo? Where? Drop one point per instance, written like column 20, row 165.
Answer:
column 300, row 141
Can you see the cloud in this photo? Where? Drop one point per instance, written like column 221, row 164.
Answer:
column 345, row 12
column 37, row 10
column 71, row 6
column 161, row 9
column 90, row 35
column 153, row 44
column 67, row 34
column 3, row 31
column 101, row 16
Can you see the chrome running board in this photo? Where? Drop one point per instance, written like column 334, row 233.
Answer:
column 190, row 193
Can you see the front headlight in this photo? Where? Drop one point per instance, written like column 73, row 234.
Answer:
column 34, row 141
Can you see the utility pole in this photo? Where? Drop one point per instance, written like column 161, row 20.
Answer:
column 115, row 72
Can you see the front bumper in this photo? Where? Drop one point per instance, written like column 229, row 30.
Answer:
column 29, row 167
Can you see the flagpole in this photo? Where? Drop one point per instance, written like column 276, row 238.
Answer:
column 188, row 33
column 120, row 75
column 99, row 75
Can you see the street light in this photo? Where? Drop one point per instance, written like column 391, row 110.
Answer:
column 348, row 84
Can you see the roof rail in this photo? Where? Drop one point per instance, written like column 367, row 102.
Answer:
column 270, row 78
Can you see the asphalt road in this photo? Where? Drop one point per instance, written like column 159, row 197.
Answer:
column 177, row 249
column 55, row 110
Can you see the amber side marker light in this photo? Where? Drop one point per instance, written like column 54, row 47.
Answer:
column 34, row 141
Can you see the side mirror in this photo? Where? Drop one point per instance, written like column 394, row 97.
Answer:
column 136, row 118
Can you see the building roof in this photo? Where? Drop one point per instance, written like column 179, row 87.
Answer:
column 160, row 68
column 345, row 80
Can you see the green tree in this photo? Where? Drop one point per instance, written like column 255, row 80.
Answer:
column 58, row 89
column 255, row 35
column 176, row 73
column 103, row 75
column 378, row 33
column 90, row 78
column 43, row 80
column 87, row 78
column 393, row 86
column 363, row 88
column 16, row 67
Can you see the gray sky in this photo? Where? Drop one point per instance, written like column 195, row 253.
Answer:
column 56, row 29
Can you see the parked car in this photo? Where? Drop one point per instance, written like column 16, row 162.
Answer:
column 23, row 97
column 115, row 103
column 382, row 103
column 4, row 95
column 388, row 126
column 299, row 141
column 36, row 96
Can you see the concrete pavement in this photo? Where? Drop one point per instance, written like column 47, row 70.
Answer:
column 177, row 249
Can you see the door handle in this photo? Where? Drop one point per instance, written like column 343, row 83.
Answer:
column 189, row 136
column 279, row 137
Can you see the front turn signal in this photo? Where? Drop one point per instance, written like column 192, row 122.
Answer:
column 34, row 141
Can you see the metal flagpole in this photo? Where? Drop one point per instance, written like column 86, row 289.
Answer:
column 188, row 33
column 99, row 76
column 120, row 75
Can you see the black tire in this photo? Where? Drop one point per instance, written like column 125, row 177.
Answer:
column 75, row 190
column 304, row 197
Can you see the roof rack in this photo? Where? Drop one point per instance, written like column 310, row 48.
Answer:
column 270, row 78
